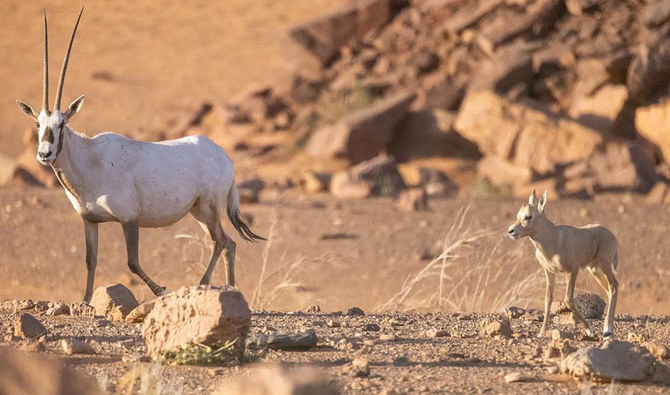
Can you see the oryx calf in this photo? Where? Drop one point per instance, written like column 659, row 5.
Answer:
column 564, row 249
column 114, row 178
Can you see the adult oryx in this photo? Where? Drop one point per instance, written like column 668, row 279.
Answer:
column 114, row 178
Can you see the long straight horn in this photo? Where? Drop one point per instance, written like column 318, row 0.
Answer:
column 61, row 80
column 45, row 82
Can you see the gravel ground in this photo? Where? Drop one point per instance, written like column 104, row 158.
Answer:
column 407, row 352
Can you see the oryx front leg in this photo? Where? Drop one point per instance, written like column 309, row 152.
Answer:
column 548, row 298
column 570, row 302
column 91, row 233
column 131, row 231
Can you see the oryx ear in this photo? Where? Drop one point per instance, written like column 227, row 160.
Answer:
column 543, row 202
column 532, row 199
column 25, row 107
column 74, row 107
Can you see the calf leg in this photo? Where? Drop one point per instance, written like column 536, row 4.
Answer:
column 91, row 233
column 548, row 298
column 131, row 231
column 612, row 293
column 570, row 302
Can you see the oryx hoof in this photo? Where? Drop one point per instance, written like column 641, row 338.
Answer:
column 158, row 291
column 608, row 335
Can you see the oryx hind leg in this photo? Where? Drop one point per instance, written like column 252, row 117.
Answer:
column 209, row 218
column 131, row 232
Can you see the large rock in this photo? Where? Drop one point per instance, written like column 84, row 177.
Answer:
column 653, row 123
column 113, row 302
column 323, row 37
column 523, row 133
column 501, row 172
column 277, row 379
column 24, row 374
column 209, row 315
column 649, row 71
column 617, row 166
column 615, row 359
column 363, row 134
column 599, row 110
column 429, row 133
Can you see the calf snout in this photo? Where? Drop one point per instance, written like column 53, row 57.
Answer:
column 44, row 155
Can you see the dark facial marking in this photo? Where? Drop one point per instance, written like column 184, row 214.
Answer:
column 48, row 135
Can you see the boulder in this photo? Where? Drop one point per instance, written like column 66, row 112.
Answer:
column 342, row 186
column 210, row 315
column 659, row 193
column 28, row 327
column 510, row 67
column 614, row 360
column 75, row 346
column 114, row 302
column 250, row 190
column 429, row 133
column 363, row 134
column 381, row 173
column 616, row 166
column 312, row 182
column 599, row 110
column 501, row 172
column 653, row 123
column 8, row 169
column 523, row 133
column 649, row 70
column 278, row 379
column 323, row 37
column 38, row 374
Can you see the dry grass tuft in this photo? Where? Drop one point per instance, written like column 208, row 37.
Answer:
column 465, row 277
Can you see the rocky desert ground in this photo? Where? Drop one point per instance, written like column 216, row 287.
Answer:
column 382, row 147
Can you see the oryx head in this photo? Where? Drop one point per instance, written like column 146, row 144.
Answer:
column 528, row 217
column 51, row 123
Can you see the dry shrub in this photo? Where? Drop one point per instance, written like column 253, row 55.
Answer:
column 469, row 277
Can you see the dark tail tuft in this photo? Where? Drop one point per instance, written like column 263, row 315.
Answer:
column 233, row 211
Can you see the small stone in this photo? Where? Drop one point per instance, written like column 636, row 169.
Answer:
column 81, row 309
column 25, row 304
column 42, row 306
column 514, row 312
column 355, row 311
column 74, row 346
column 333, row 324
column 58, row 308
column 28, row 327
column 360, row 367
column 114, row 302
column 314, row 309
column 552, row 369
column 435, row 333
column 371, row 327
column 496, row 327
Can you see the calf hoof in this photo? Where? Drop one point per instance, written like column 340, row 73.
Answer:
column 607, row 335
column 159, row 291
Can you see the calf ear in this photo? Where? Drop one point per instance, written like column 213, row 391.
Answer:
column 74, row 107
column 543, row 202
column 25, row 107
column 532, row 199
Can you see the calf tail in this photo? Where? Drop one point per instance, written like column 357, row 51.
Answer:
column 233, row 211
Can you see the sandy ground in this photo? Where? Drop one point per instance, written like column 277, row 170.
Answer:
column 334, row 253
column 141, row 64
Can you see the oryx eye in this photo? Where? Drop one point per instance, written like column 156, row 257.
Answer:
column 37, row 124
column 528, row 218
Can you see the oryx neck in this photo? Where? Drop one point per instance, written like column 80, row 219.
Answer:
column 71, row 161
column 545, row 235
